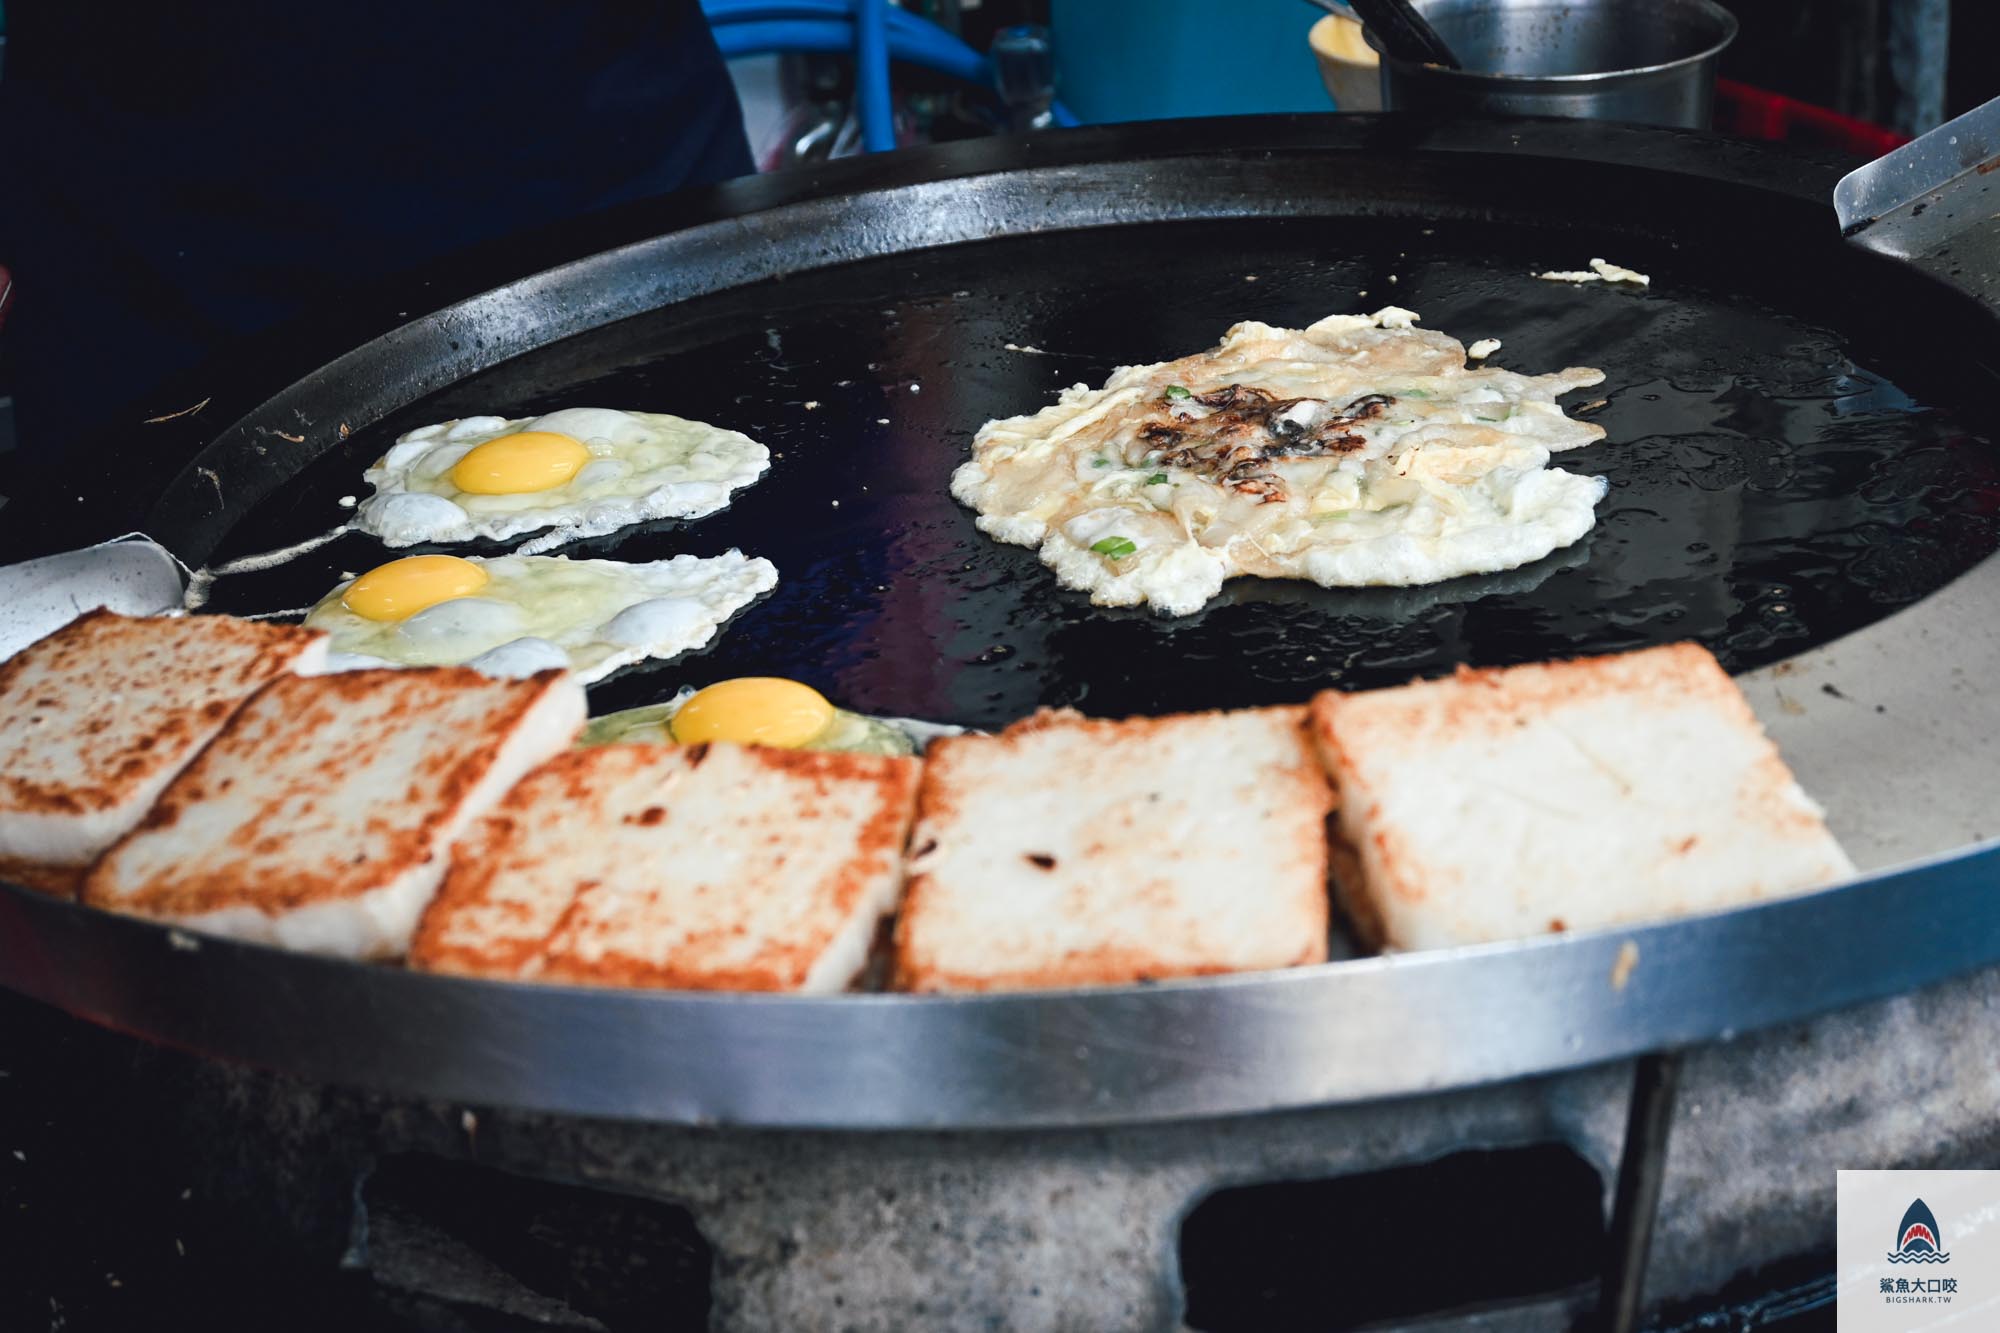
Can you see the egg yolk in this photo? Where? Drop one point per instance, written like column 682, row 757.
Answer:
column 401, row 588
column 753, row 710
column 531, row 460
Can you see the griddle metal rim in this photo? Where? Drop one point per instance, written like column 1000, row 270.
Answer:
column 1335, row 1033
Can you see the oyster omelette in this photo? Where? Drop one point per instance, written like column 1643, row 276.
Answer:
column 1358, row 451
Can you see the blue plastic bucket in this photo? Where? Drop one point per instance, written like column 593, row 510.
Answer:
column 1157, row 59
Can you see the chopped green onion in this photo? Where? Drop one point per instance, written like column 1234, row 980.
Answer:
column 1412, row 393
column 1100, row 461
column 1157, row 479
column 1178, row 391
column 1115, row 547
column 1331, row 515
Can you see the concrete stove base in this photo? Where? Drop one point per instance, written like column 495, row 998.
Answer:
column 1034, row 1230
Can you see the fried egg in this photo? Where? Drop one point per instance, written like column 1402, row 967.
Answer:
column 1359, row 451
column 580, row 472
column 514, row 615
column 761, row 710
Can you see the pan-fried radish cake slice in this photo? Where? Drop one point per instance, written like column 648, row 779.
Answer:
column 700, row 867
column 1562, row 796
column 514, row 615
column 580, row 472
column 97, row 718
column 1358, row 451
column 1071, row 852
column 320, row 817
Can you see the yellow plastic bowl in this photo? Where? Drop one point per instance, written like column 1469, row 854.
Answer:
column 1347, row 64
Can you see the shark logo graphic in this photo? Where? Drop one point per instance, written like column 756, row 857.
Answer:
column 1918, row 1240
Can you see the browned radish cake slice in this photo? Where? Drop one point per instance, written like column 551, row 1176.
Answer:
column 1070, row 852
column 97, row 718
column 1561, row 796
column 320, row 817
column 701, row 867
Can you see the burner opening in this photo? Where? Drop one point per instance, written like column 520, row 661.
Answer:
column 1470, row 1229
column 471, row 1238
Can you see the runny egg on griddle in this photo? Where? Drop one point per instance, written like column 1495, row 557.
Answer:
column 756, row 710
column 513, row 615
column 580, row 472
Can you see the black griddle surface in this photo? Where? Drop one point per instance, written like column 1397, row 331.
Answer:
column 1780, row 472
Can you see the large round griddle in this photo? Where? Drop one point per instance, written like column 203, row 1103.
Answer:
column 1784, row 462
column 1798, row 449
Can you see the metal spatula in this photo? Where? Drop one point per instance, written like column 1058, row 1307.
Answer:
column 1934, row 202
column 131, row 575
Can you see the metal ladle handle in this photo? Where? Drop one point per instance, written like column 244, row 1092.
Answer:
column 1403, row 32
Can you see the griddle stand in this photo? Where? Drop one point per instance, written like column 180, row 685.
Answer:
column 1642, row 1171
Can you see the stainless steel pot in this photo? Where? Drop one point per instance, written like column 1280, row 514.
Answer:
column 1651, row 61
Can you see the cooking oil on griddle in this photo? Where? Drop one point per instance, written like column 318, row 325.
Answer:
column 1774, row 483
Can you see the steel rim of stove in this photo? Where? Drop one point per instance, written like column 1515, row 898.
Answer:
column 1322, row 1035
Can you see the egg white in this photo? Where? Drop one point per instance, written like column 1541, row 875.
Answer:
column 643, row 466
column 1451, row 479
column 536, row 612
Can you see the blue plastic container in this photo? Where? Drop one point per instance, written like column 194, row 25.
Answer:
column 1156, row 59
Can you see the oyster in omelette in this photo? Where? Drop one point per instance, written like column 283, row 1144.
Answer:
column 1358, row 451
